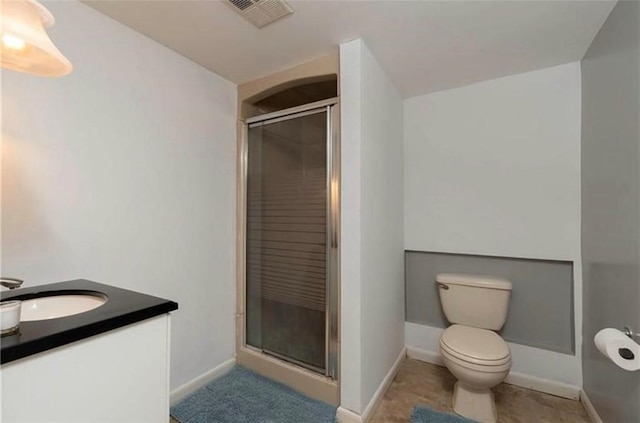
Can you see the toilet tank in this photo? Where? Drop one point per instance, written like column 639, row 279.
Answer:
column 474, row 300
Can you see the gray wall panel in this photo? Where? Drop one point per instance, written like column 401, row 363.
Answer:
column 541, row 307
column 610, row 154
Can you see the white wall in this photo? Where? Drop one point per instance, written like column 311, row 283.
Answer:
column 350, row 231
column 123, row 173
column 493, row 169
column 372, row 226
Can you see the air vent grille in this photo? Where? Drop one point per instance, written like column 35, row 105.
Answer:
column 241, row 4
column 262, row 12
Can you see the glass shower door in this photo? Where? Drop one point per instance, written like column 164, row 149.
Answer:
column 286, row 237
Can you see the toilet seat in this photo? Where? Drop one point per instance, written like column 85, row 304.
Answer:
column 479, row 368
column 475, row 346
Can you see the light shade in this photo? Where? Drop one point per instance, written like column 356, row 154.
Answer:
column 24, row 43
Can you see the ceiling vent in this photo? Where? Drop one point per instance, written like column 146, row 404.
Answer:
column 261, row 12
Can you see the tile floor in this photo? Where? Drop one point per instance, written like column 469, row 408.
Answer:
column 422, row 383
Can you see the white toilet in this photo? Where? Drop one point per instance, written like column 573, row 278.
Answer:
column 477, row 356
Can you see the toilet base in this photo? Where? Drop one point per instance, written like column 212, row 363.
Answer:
column 475, row 404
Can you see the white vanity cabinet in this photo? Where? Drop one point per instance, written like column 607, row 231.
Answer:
column 120, row 376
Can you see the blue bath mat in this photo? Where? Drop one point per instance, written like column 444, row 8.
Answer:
column 242, row 396
column 427, row 415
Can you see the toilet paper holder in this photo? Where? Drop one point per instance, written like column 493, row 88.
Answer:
column 630, row 333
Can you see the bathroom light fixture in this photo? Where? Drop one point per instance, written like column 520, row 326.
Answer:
column 24, row 43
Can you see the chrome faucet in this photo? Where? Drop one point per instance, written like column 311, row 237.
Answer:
column 11, row 283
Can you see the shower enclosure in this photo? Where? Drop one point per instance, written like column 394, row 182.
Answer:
column 290, row 240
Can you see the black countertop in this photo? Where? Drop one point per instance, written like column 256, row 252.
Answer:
column 123, row 307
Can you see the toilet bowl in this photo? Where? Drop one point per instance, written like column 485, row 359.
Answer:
column 476, row 355
column 480, row 360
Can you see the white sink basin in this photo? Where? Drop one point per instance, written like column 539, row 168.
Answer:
column 52, row 307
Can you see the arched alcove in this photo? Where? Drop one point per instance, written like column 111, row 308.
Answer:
column 291, row 94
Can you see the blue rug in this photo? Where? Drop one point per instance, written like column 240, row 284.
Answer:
column 242, row 396
column 426, row 415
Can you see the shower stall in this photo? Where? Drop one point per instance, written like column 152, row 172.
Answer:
column 290, row 194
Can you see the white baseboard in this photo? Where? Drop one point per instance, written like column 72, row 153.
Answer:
column 533, row 368
column 590, row 409
column 426, row 356
column 518, row 379
column 193, row 385
column 543, row 385
column 344, row 415
column 565, row 369
column 384, row 385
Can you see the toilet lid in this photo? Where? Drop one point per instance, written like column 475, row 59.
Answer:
column 475, row 345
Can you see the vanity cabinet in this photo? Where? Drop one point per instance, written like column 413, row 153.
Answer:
column 120, row 375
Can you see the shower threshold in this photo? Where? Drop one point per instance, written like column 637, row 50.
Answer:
column 307, row 366
column 310, row 383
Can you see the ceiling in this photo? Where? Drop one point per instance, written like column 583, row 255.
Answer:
column 424, row 46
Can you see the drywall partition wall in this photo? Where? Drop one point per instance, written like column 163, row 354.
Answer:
column 372, row 295
column 350, row 228
column 541, row 306
column 382, row 223
column 611, row 206
column 493, row 168
column 123, row 173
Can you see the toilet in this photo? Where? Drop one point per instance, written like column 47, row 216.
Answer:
column 478, row 357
